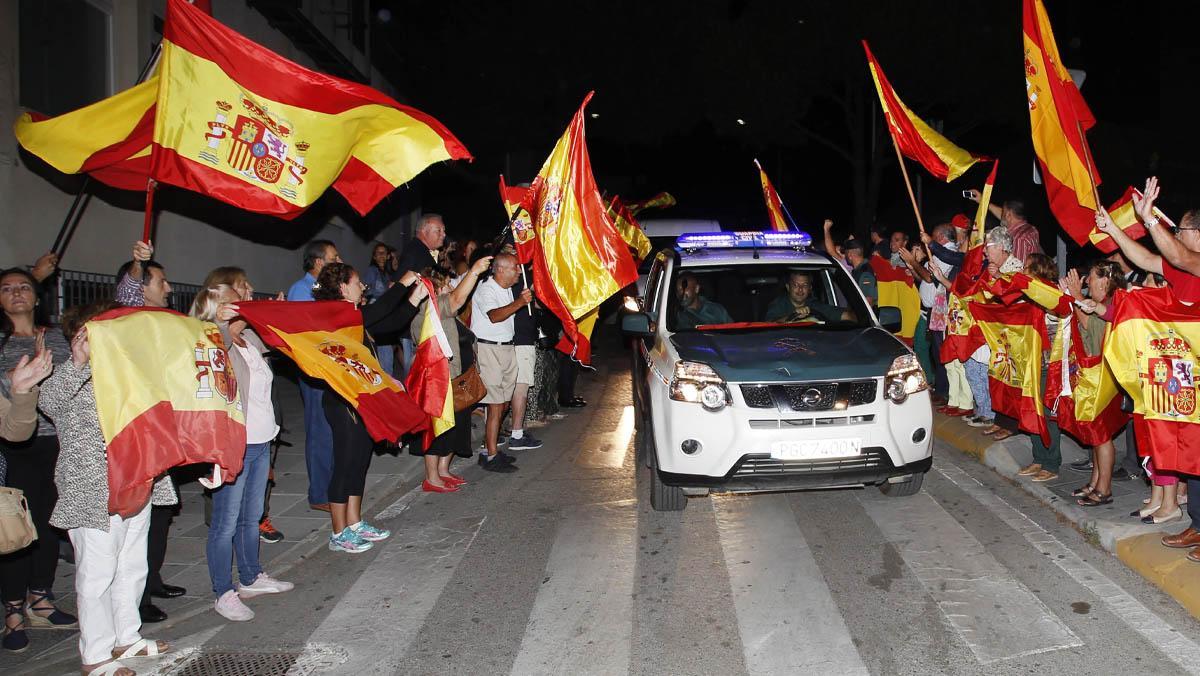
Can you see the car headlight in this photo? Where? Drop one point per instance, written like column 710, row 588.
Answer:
column 699, row 384
column 904, row 377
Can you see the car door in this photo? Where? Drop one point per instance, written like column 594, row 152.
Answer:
column 642, row 347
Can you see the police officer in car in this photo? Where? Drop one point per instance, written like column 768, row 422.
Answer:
column 797, row 305
column 694, row 309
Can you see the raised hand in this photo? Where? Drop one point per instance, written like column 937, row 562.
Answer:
column 1145, row 206
column 1072, row 283
column 1104, row 222
column 30, row 371
column 142, row 251
column 480, row 266
column 81, row 350
column 973, row 195
column 828, row 224
column 45, row 266
column 227, row 312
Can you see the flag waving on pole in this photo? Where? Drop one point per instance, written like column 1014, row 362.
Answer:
column 513, row 198
column 660, row 201
column 428, row 380
column 962, row 336
column 1125, row 217
column 774, row 205
column 1058, row 118
column 917, row 140
column 630, row 229
column 896, row 289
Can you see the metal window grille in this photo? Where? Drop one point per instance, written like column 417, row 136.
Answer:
column 75, row 287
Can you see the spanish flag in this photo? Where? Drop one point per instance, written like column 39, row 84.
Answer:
column 660, row 201
column 774, row 204
column 166, row 396
column 1082, row 390
column 1020, row 285
column 915, row 139
column 962, row 336
column 428, row 380
column 325, row 339
column 1126, row 218
column 579, row 258
column 896, row 289
column 240, row 123
column 1016, row 335
column 630, row 229
column 1153, row 349
column 513, row 198
column 1058, row 118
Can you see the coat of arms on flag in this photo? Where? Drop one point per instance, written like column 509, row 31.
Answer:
column 1171, row 376
column 256, row 145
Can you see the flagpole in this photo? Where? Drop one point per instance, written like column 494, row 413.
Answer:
column 1087, row 161
column 499, row 241
column 908, row 184
column 780, row 197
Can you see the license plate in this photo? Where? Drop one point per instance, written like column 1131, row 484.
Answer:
column 816, row 449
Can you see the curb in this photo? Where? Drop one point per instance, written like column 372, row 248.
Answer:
column 1135, row 544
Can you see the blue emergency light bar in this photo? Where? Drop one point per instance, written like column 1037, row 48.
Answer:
column 744, row 240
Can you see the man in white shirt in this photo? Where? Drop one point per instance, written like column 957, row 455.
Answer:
column 492, row 308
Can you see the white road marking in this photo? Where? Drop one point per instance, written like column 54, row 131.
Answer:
column 611, row 451
column 788, row 620
column 996, row 615
column 1176, row 647
column 582, row 618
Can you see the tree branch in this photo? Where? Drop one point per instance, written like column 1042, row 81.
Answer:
column 825, row 141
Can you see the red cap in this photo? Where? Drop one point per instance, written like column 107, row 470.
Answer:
column 960, row 221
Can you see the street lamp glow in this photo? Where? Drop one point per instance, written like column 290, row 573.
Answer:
column 595, row 115
column 741, row 121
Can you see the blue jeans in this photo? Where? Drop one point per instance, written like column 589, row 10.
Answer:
column 318, row 444
column 410, row 353
column 236, row 511
column 386, row 357
column 977, row 377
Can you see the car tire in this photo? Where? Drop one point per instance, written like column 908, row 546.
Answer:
column 904, row 488
column 663, row 498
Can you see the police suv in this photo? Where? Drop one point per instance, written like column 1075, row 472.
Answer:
column 759, row 366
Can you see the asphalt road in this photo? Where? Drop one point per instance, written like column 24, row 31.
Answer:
column 562, row 568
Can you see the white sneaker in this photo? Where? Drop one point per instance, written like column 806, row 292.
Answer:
column 264, row 584
column 230, row 607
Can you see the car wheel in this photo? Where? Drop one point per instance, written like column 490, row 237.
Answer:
column 663, row 498
column 904, row 488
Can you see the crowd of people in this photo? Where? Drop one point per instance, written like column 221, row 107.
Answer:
column 52, row 447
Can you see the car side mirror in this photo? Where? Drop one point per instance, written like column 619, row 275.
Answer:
column 889, row 318
column 636, row 324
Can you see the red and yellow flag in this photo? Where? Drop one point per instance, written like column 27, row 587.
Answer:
column 325, row 339
column 962, row 336
column 774, row 204
column 1020, row 285
column 630, row 229
column 428, row 380
column 917, row 140
column 1126, row 218
column 660, row 201
column 896, row 289
column 1058, row 118
column 579, row 258
column 1153, row 348
column 514, row 199
column 1087, row 400
column 1016, row 335
column 173, row 404
column 240, row 123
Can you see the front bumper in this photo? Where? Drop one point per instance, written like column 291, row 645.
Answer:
column 760, row 472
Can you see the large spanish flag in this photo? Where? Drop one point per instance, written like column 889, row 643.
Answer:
column 579, row 258
column 166, row 395
column 774, row 204
column 1058, row 118
column 428, row 380
column 1153, row 349
column 1016, row 335
column 630, row 229
column 917, row 140
column 896, row 289
column 325, row 339
column 244, row 125
column 1082, row 390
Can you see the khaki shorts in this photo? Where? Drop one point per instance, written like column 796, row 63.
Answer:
column 526, row 358
column 498, row 370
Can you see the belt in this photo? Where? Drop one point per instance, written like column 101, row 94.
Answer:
column 494, row 342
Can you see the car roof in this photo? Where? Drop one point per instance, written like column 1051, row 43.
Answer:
column 702, row 257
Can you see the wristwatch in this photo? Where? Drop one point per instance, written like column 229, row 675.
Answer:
column 1152, row 221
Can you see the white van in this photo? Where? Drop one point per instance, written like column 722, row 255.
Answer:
column 662, row 233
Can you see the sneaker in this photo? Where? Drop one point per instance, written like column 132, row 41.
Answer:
column 496, row 464
column 527, row 442
column 980, row 421
column 370, row 533
column 230, row 607
column 267, row 531
column 348, row 541
column 264, row 584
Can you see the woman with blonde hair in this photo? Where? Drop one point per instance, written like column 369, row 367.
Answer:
column 238, row 506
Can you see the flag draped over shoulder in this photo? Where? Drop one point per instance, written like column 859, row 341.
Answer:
column 917, row 140
column 1125, row 217
column 175, row 403
column 1016, row 335
column 579, row 259
column 1153, row 348
column 325, row 339
column 774, row 204
column 238, row 122
column 962, row 336
column 1082, row 390
column 428, row 380
column 1058, row 118
column 660, row 201
column 1021, row 285
column 896, row 289
column 630, row 229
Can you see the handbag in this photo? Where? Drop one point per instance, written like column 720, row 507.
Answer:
column 16, row 525
column 468, row 389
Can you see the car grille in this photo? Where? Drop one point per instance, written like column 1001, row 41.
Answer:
column 810, row 396
column 827, row 421
column 872, row 458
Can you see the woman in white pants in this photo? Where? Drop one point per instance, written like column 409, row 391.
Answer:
column 110, row 551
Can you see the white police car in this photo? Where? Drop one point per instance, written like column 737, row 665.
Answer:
column 759, row 366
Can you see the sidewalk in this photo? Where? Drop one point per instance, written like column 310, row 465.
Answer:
column 1109, row 526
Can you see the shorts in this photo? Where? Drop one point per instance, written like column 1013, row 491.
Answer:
column 497, row 366
column 526, row 359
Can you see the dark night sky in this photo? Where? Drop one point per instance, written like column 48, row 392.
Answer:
column 672, row 78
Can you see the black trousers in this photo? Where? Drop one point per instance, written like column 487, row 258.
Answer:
column 352, row 448
column 156, row 548
column 31, row 469
column 568, row 372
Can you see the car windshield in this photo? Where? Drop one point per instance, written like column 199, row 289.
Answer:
column 757, row 297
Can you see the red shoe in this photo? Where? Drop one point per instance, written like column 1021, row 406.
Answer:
column 432, row 488
column 453, row 480
column 960, row 412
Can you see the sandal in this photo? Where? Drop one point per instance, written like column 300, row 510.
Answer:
column 1001, row 435
column 15, row 639
column 57, row 619
column 1086, row 489
column 143, row 648
column 1094, row 500
column 110, row 668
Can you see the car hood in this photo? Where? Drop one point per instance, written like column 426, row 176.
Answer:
column 791, row 353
